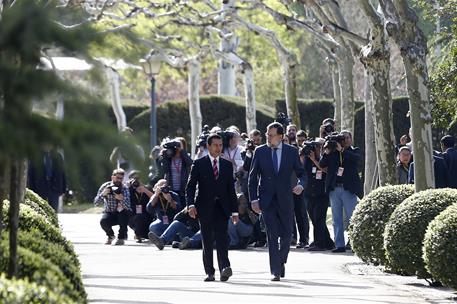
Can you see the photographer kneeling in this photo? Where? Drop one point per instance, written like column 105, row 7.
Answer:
column 315, row 196
column 116, row 200
column 139, row 198
column 342, row 182
column 164, row 203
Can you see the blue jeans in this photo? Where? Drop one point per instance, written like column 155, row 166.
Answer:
column 341, row 199
column 238, row 231
column 158, row 227
column 176, row 228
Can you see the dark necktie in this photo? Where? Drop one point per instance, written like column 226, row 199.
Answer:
column 275, row 159
column 215, row 170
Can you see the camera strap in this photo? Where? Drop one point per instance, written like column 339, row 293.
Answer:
column 234, row 153
column 164, row 206
column 341, row 159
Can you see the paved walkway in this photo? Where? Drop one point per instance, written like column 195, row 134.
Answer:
column 140, row 273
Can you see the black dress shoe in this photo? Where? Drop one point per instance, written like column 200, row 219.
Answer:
column 226, row 273
column 210, row 278
column 275, row 279
column 316, row 248
column 283, row 270
column 339, row 249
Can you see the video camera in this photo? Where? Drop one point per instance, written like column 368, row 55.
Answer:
column 283, row 119
column 250, row 145
column 115, row 189
column 170, row 148
column 332, row 140
column 308, row 147
column 203, row 137
column 134, row 183
column 329, row 128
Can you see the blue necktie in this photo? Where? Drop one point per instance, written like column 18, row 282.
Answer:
column 275, row 159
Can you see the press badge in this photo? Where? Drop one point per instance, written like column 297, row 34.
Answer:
column 314, row 170
column 165, row 220
column 340, row 171
column 319, row 174
column 139, row 209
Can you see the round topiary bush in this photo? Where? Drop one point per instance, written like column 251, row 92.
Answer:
column 41, row 206
column 404, row 233
column 440, row 250
column 19, row 291
column 39, row 270
column 369, row 221
column 29, row 220
column 33, row 240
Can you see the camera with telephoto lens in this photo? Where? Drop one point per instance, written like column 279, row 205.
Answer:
column 308, row 147
column 115, row 189
column 328, row 128
column 226, row 137
column 283, row 119
column 170, row 148
column 250, row 145
column 332, row 140
column 203, row 137
column 165, row 189
column 134, row 183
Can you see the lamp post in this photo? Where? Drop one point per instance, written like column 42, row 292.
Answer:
column 151, row 67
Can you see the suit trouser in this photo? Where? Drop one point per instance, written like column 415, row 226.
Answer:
column 110, row 219
column 215, row 228
column 301, row 219
column 278, row 220
column 317, row 209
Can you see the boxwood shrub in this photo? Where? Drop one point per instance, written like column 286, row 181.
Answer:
column 20, row 291
column 37, row 269
column 29, row 220
column 370, row 218
column 440, row 247
column 41, row 206
column 33, row 240
column 404, row 233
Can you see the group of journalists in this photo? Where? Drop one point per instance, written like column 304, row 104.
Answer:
column 157, row 211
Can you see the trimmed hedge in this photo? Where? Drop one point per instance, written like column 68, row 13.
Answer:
column 404, row 233
column 440, row 250
column 39, row 270
column 41, row 206
column 21, row 291
column 33, row 240
column 173, row 117
column 30, row 220
column 370, row 218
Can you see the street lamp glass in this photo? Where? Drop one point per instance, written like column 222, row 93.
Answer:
column 151, row 65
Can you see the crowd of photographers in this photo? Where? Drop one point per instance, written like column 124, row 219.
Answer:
column 156, row 211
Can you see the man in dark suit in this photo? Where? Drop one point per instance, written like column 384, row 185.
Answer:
column 450, row 157
column 440, row 169
column 46, row 176
column 214, row 204
column 270, row 192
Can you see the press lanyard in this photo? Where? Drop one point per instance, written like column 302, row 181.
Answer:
column 234, row 154
column 164, row 206
column 341, row 159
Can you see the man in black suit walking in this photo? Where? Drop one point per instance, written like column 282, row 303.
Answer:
column 214, row 204
column 450, row 156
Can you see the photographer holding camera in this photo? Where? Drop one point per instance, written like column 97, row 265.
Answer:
column 315, row 196
column 174, row 166
column 342, row 182
column 164, row 203
column 327, row 127
column 139, row 198
column 116, row 200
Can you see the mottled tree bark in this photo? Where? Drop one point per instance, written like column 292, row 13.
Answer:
column 249, row 92
column 194, row 100
column 226, row 70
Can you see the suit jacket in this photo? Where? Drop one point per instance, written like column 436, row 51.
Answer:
column 450, row 157
column 201, row 174
column 164, row 171
column 441, row 173
column 36, row 179
column 265, row 183
column 351, row 180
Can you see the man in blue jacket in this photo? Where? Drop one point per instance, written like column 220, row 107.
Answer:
column 270, row 192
